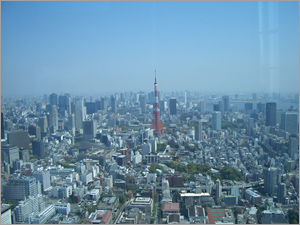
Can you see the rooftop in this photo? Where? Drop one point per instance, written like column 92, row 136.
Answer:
column 170, row 207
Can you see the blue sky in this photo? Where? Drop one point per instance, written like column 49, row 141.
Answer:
column 107, row 47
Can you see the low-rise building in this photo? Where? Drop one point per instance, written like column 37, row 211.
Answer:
column 196, row 214
column 143, row 204
column 169, row 208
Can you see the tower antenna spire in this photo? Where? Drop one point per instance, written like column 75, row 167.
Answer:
column 156, row 122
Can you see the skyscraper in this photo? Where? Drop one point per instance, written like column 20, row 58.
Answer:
column 270, row 180
column 143, row 102
column 198, row 130
column 53, row 123
column 9, row 154
column 43, row 124
column 104, row 104
column 173, row 107
column 79, row 113
column 216, row 120
column 281, row 193
column 271, row 114
column 289, row 122
column 225, row 100
column 293, row 148
column 64, row 104
column 201, row 106
column 53, row 99
column 218, row 189
column 18, row 138
column 38, row 148
column 162, row 106
column 89, row 129
column 35, row 130
column 2, row 127
column 113, row 103
column 261, row 107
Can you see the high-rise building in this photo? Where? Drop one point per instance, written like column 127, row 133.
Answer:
column 18, row 138
column 254, row 96
column 64, row 102
column 38, row 148
column 45, row 99
column 32, row 205
column 289, row 122
column 89, row 129
column 216, row 120
column 79, row 113
column 293, row 148
column 35, row 130
column 9, row 154
column 198, row 130
column 102, row 161
column 173, row 106
column 281, row 193
column 28, row 182
column 162, row 106
column 271, row 114
column 113, row 104
column 104, row 104
column 143, row 102
column 225, row 101
column 261, row 107
column 90, row 107
column 218, row 189
column 270, row 180
column 44, row 178
column 53, row 118
column 201, row 106
column 5, row 214
column 248, row 106
column 43, row 124
column 2, row 126
column 53, row 99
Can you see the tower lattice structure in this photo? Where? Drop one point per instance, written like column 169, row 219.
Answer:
column 156, row 122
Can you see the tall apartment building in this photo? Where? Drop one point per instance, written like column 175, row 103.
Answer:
column 79, row 114
column 198, row 130
column 143, row 102
column 216, row 120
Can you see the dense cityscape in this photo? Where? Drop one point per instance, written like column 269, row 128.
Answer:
column 144, row 158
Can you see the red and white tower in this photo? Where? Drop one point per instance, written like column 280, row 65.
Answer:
column 156, row 122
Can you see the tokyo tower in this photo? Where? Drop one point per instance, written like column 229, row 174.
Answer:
column 156, row 122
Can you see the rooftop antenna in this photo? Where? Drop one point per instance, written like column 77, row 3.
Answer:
column 155, row 76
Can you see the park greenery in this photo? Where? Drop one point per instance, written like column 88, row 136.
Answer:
column 155, row 166
column 226, row 173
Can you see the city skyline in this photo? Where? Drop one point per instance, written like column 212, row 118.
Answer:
column 101, row 47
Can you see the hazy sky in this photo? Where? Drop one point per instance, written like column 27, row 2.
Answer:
column 100, row 47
